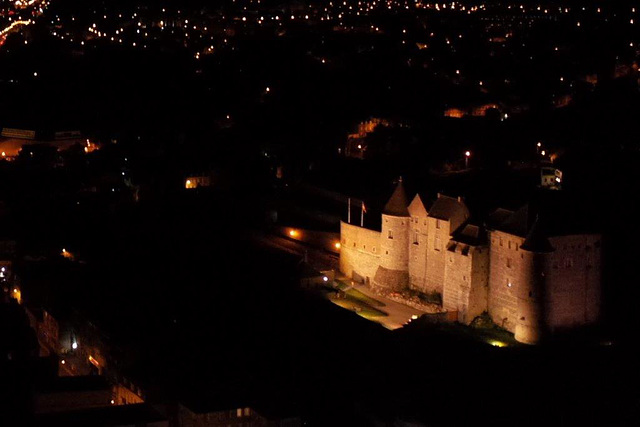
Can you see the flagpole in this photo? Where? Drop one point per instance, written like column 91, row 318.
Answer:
column 349, row 210
column 362, row 215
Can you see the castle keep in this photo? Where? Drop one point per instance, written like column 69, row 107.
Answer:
column 529, row 271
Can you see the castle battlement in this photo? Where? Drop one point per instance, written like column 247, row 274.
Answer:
column 528, row 272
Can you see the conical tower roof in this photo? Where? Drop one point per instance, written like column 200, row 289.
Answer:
column 398, row 203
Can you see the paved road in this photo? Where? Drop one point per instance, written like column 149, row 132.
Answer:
column 318, row 258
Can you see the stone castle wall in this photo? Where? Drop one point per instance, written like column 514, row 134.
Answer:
column 437, row 239
column 393, row 272
column 524, row 292
column 466, row 281
column 418, row 252
column 573, row 281
column 394, row 242
column 505, row 272
column 359, row 251
column 530, row 296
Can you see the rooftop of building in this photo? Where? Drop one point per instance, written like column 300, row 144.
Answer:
column 546, row 214
column 559, row 213
column 470, row 234
column 398, row 203
column 449, row 208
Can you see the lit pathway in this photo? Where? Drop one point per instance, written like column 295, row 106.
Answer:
column 398, row 314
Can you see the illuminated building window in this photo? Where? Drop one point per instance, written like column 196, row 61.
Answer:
column 247, row 412
column 239, row 412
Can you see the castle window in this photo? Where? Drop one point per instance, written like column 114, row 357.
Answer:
column 386, row 252
column 354, row 244
column 464, row 278
column 516, row 247
column 436, row 243
column 509, row 244
column 508, row 262
column 374, row 249
column 364, row 246
column 415, row 238
column 437, row 223
column 425, row 222
column 500, row 241
column 390, row 235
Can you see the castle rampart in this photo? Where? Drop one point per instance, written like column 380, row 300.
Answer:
column 529, row 277
column 359, row 252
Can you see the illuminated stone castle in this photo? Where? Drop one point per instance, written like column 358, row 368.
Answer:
column 530, row 275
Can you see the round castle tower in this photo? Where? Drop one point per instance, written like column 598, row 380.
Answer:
column 393, row 272
column 530, row 324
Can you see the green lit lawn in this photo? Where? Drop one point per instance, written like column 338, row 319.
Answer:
column 359, row 296
column 359, row 307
